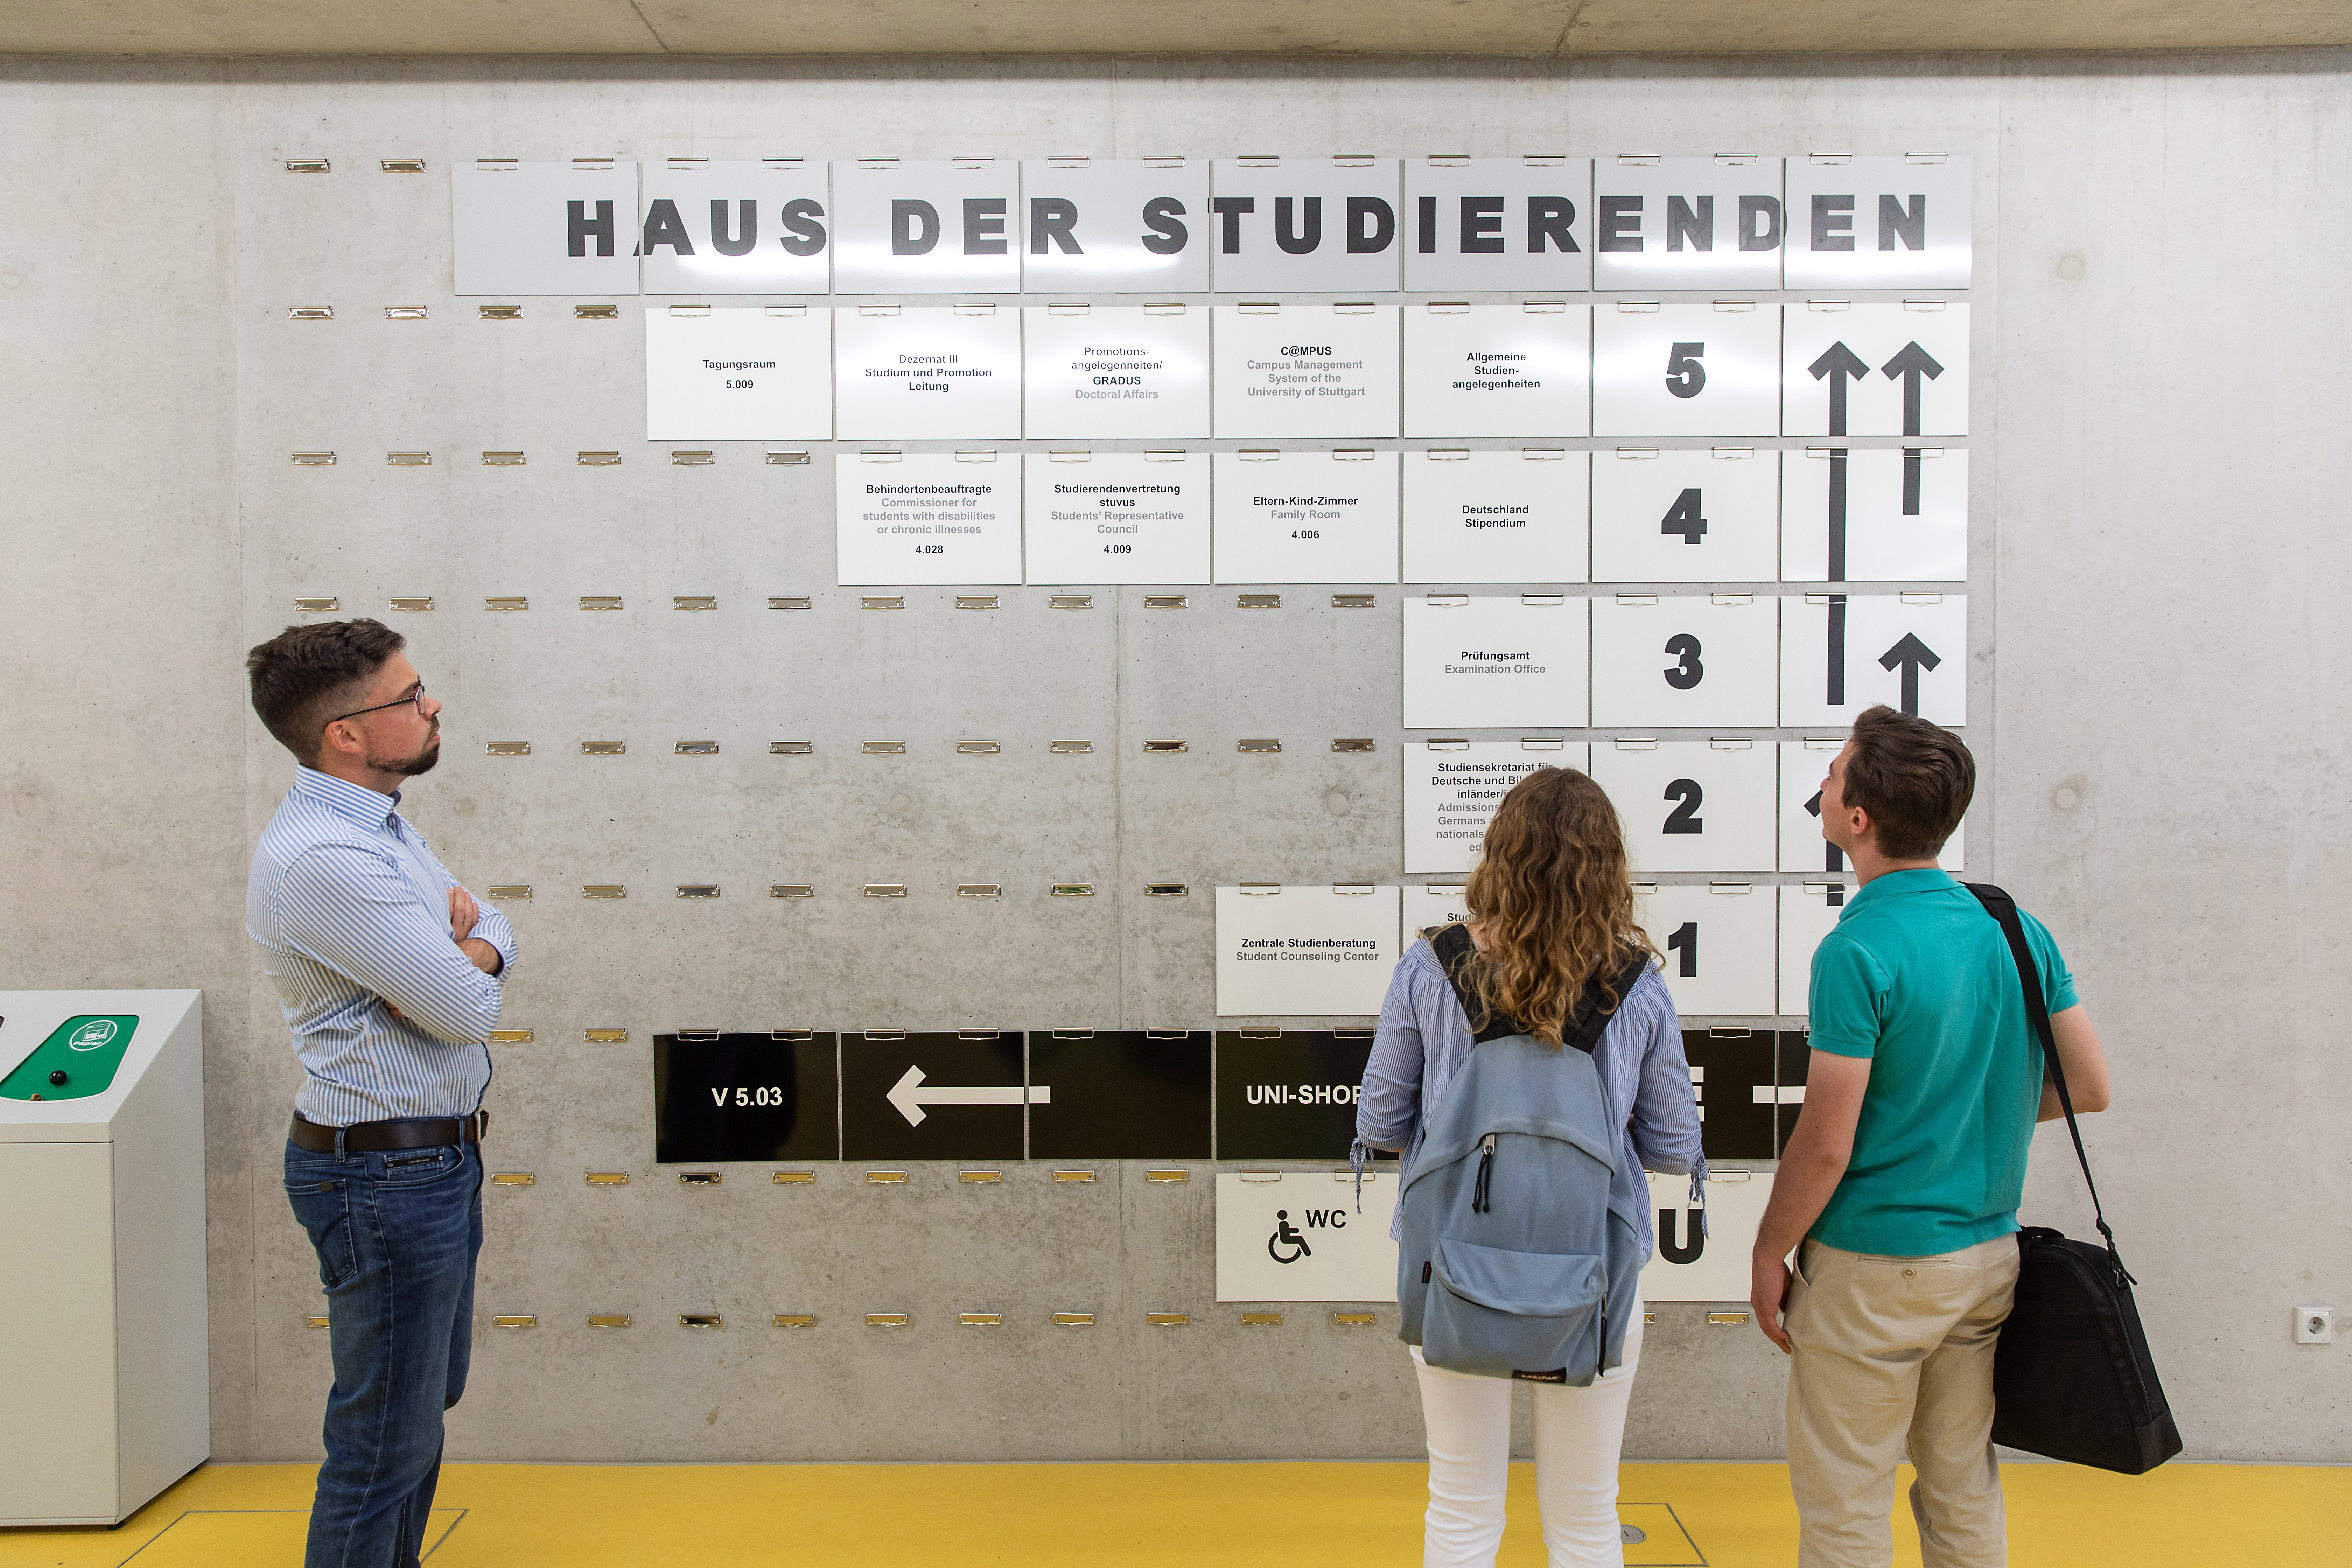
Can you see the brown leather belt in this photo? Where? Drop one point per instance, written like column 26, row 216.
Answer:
column 372, row 1137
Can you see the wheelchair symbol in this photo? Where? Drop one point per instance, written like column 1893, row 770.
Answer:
column 1284, row 1235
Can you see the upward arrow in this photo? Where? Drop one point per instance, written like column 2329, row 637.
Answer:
column 1913, row 655
column 1838, row 362
column 1908, row 366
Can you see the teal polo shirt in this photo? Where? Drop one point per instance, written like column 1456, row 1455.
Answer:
column 1918, row 978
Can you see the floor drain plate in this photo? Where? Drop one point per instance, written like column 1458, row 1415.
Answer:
column 1632, row 1534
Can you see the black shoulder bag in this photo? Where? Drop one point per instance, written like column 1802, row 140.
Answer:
column 2071, row 1379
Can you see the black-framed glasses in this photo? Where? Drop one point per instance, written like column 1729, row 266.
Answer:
column 414, row 694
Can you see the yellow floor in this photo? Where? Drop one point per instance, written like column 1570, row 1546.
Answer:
column 1147, row 1516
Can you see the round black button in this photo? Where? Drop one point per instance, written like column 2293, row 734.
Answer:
column 59, row 1075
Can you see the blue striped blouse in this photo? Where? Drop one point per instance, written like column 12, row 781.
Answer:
column 351, row 911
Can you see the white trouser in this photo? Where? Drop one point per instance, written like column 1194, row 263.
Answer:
column 1579, row 1432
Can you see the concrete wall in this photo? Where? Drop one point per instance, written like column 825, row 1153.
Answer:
column 2159, row 483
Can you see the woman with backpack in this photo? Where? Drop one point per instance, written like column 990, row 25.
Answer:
column 1528, row 1066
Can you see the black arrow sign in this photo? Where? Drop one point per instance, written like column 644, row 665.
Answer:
column 1837, row 514
column 1910, row 481
column 1838, row 363
column 1908, row 366
column 1835, row 859
column 1913, row 655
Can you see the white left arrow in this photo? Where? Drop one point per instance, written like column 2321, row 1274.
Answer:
column 909, row 1096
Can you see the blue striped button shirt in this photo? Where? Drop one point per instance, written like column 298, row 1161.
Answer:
column 351, row 911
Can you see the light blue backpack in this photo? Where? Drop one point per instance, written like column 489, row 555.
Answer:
column 1520, row 1256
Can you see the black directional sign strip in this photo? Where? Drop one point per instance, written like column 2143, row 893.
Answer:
column 931, row 1097
column 1733, row 1064
column 1290, row 1097
column 1796, row 1056
column 1121, row 1095
column 743, row 1097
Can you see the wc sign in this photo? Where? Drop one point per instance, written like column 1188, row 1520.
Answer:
column 1297, row 1236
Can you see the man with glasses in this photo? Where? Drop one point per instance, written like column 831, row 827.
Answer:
column 390, row 977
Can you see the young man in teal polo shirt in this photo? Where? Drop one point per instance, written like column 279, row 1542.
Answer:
column 1898, row 1190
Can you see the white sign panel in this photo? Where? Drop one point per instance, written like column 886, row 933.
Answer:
column 926, row 518
column 1842, row 653
column 1668, row 662
column 1687, row 222
column 1107, row 373
column 1692, row 805
column 1495, row 516
column 1717, row 940
column 1306, row 370
column 925, row 226
column 1495, row 663
column 1804, row 768
column 1117, row 517
column 1304, row 950
column 1808, row 911
column 1433, row 906
column 1305, row 517
column 739, row 227
column 1709, row 1263
column 1298, row 1236
column 1312, row 224
column 1875, row 370
column 757, row 375
column 1685, row 516
column 1686, row 370
column 1115, row 225
column 1497, row 371
column 1879, row 516
column 544, row 228
column 1498, row 223
column 928, row 372
column 1878, row 222
column 1451, row 789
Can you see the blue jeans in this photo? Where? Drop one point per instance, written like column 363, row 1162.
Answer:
column 396, row 1233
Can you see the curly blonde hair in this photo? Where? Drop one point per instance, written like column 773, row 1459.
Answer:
column 1553, row 898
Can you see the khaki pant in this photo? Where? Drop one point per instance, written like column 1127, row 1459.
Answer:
column 1894, row 1352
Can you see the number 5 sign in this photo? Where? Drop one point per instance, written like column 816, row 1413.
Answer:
column 1686, row 370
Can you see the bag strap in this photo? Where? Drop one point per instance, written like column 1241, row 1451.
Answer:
column 1586, row 1024
column 2003, row 909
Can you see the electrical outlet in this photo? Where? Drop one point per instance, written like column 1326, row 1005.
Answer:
column 2315, row 1325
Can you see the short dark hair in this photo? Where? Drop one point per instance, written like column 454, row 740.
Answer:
column 303, row 676
column 1915, row 778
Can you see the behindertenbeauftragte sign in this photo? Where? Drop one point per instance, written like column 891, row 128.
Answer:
column 1152, row 225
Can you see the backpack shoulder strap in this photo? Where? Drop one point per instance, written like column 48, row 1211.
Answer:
column 2003, row 909
column 1455, row 952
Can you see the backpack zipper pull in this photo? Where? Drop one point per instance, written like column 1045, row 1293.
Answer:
column 1478, row 1199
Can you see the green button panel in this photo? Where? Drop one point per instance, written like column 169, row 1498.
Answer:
column 79, row 1059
